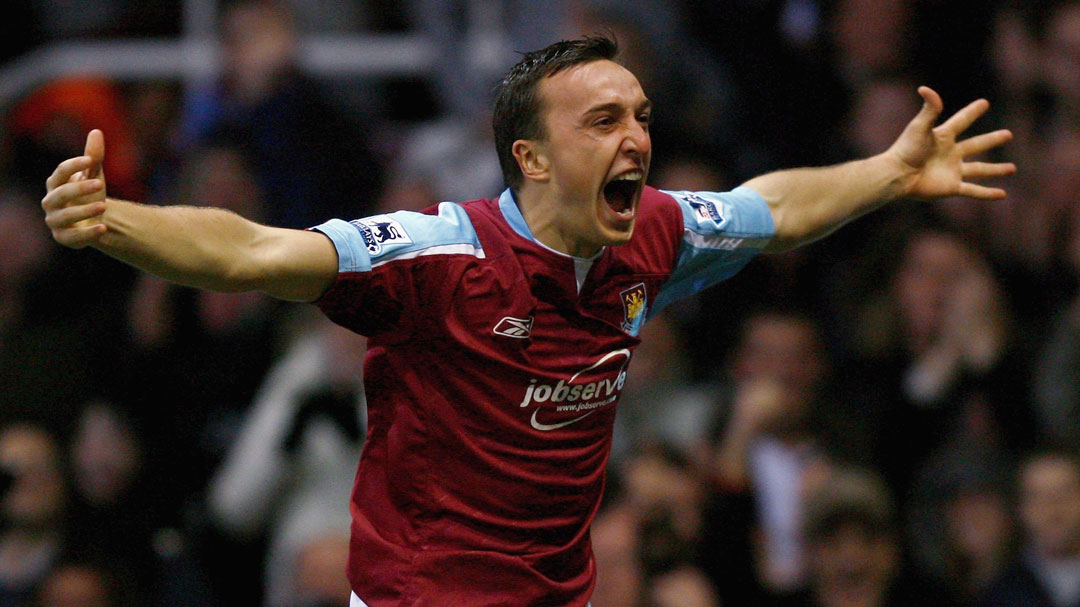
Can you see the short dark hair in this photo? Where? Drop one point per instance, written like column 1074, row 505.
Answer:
column 849, row 496
column 517, row 102
column 1050, row 450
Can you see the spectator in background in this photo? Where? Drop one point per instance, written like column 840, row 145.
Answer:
column 310, row 160
column 24, row 252
column 153, row 113
column 771, row 443
column 853, row 548
column 1047, row 572
column 692, row 86
column 870, row 38
column 849, row 265
column 959, row 528
column 787, row 40
column 940, row 361
column 1061, row 59
column 878, row 114
column 1016, row 62
column 646, row 537
column 317, row 579
column 1027, row 236
column 685, row 586
column 52, row 118
column 660, row 403
column 47, row 367
column 188, row 401
column 616, row 545
column 111, row 508
column 1034, row 49
column 1057, row 376
column 32, row 508
column 117, row 515
column 198, row 398
column 442, row 161
column 980, row 538
column 81, row 584
column 288, row 474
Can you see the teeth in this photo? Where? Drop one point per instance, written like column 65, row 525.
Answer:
column 631, row 176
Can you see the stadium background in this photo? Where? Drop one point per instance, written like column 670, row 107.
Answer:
column 168, row 447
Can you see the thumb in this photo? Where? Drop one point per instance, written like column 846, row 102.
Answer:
column 931, row 109
column 915, row 143
column 95, row 149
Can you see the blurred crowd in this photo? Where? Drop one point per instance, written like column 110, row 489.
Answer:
column 888, row 417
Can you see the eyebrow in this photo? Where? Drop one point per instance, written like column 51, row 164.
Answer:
column 613, row 106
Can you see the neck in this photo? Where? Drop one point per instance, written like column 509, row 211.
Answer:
column 542, row 211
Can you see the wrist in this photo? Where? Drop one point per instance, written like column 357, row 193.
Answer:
column 899, row 177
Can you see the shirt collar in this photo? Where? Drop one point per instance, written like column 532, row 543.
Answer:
column 513, row 216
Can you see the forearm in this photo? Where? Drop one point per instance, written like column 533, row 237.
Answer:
column 197, row 246
column 216, row 249
column 809, row 203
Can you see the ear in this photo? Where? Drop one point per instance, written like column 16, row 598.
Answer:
column 531, row 159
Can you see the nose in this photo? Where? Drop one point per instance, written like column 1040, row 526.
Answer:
column 637, row 141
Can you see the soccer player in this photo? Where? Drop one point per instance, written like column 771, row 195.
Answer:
column 500, row 329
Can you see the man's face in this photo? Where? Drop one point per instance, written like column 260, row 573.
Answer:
column 36, row 497
column 597, row 150
column 853, row 566
column 785, row 350
column 1050, row 506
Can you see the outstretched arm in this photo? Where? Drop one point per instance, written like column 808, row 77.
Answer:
column 198, row 246
column 925, row 162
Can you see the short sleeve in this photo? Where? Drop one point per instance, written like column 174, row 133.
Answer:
column 722, row 232
column 389, row 266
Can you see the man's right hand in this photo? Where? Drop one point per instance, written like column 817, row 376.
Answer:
column 75, row 202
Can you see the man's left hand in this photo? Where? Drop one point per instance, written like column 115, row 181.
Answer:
column 937, row 164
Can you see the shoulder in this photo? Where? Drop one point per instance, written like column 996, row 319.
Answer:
column 362, row 244
column 739, row 211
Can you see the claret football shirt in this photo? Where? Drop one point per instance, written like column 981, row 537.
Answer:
column 493, row 369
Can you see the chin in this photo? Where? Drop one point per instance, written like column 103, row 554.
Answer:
column 615, row 238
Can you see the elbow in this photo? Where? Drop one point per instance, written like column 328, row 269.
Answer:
column 790, row 231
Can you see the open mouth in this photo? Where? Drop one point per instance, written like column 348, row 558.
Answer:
column 619, row 192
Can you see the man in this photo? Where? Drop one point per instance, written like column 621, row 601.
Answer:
column 770, row 444
column 854, row 554
column 500, row 330
column 1047, row 572
column 33, row 503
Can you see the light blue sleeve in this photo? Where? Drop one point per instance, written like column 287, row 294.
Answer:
column 364, row 244
column 722, row 231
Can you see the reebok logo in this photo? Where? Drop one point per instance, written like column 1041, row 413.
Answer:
column 509, row 326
